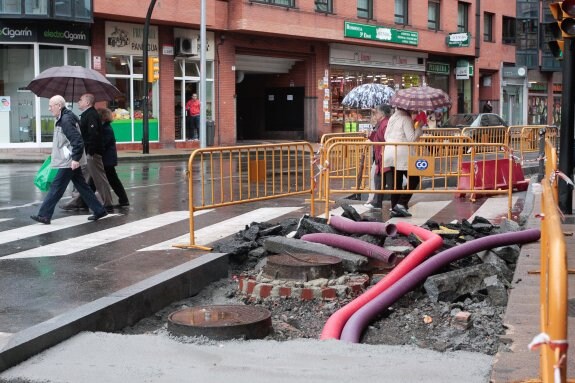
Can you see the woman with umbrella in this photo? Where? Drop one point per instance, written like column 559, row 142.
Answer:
column 400, row 128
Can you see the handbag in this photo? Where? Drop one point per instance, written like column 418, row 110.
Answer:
column 45, row 175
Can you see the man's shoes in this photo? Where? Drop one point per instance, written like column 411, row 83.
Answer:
column 109, row 208
column 96, row 217
column 372, row 206
column 44, row 220
column 122, row 204
column 401, row 211
column 394, row 214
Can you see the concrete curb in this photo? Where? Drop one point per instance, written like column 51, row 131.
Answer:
column 118, row 310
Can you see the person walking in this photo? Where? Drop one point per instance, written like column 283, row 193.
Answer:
column 110, row 157
column 91, row 128
column 400, row 128
column 193, row 113
column 67, row 156
column 381, row 114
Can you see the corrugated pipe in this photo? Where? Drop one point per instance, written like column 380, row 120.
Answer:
column 374, row 228
column 352, row 244
column 357, row 322
column 431, row 242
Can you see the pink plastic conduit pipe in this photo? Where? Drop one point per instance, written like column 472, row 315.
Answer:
column 352, row 244
column 357, row 322
column 431, row 242
column 374, row 228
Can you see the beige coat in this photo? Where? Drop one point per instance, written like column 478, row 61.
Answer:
column 399, row 129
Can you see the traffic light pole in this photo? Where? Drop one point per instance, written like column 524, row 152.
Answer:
column 567, row 130
column 145, row 120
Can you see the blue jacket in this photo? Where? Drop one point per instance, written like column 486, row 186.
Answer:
column 110, row 156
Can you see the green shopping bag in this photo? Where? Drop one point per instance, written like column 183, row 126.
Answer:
column 45, row 175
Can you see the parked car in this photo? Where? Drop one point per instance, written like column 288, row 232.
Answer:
column 462, row 120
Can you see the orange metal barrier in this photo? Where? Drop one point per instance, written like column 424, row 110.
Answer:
column 223, row 176
column 485, row 135
column 553, row 285
column 441, row 132
column 524, row 139
column 348, row 158
column 438, row 170
column 327, row 136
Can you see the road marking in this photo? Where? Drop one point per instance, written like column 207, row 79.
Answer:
column 20, row 206
column 225, row 228
column 39, row 228
column 5, row 219
column 422, row 212
column 493, row 208
column 102, row 237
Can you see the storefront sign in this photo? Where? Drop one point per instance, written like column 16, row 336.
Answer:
column 462, row 70
column 127, row 39
column 343, row 54
column 377, row 33
column 74, row 34
column 514, row 71
column 437, row 68
column 97, row 62
column 458, row 40
column 5, row 103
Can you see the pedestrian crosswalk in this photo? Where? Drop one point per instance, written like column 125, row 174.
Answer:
column 490, row 208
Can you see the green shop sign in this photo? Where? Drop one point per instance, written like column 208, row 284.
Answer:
column 458, row 40
column 374, row 32
column 437, row 68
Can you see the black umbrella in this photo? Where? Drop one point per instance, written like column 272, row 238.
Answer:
column 73, row 81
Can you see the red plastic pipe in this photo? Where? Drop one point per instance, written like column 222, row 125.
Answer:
column 431, row 242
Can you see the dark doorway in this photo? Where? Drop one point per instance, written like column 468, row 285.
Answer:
column 268, row 113
column 284, row 110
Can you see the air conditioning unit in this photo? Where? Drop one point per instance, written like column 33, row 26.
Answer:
column 186, row 46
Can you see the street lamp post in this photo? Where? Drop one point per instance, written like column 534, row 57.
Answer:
column 145, row 121
column 203, row 138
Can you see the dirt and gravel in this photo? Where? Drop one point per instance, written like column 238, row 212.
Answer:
column 413, row 320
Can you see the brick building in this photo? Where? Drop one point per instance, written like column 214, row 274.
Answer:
column 275, row 69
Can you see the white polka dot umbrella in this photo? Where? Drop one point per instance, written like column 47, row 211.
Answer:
column 368, row 96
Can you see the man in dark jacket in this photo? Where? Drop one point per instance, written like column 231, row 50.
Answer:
column 91, row 128
column 67, row 156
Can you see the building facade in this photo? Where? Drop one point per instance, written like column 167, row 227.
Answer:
column 275, row 69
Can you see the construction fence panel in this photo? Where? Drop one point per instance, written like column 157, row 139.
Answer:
column 472, row 167
column 224, row 176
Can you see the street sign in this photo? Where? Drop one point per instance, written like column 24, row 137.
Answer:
column 379, row 33
column 458, row 40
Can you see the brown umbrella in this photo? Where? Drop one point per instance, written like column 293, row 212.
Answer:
column 73, row 81
column 420, row 98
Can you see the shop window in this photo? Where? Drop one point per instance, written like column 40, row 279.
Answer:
column 509, row 30
column 324, row 6
column 77, row 56
column 488, row 26
column 401, row 12
column 36, row 7
column 433, row 12
column 365, row 9
column 285, row 3
column 50, row 56
column 125, row 72
column 10, row 7
column 462, row 17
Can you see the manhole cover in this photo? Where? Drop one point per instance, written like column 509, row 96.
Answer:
column 221, row 322
column 302, row 266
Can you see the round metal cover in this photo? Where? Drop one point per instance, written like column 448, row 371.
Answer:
column 221, row 322
column 303, row 266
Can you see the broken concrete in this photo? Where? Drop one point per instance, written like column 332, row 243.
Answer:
column 496, row 291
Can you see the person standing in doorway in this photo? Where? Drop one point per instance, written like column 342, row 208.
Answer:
column 67, row 156
column 193, row 113
column 487, row 108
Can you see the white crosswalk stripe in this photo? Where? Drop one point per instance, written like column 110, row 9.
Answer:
column 494, row 208
column 421, row 212
column 225, row 228
column 102, row 237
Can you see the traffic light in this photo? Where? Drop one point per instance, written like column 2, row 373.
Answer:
column 153, row 69
column 564, row 14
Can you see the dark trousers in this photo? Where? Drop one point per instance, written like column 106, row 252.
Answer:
column 58, row 188
column 115, row 184
column 195, row 126
column 390, row 178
